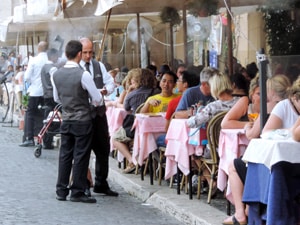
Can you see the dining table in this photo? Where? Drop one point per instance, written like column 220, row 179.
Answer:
column 115, row 117
column 148, row 126
column 178, row 150
column 232, row 144
column 272, row 185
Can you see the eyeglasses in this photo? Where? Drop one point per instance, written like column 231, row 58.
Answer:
column 180, row 81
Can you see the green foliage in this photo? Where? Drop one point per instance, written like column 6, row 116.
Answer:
column 25, row 100
column 170, row 15
column 196, row 7
column 283, row 34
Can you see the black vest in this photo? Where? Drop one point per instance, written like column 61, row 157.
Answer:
column 46, row 82
column 74, row 99
column 98, row 79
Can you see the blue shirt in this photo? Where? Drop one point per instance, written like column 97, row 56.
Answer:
column 192, row 96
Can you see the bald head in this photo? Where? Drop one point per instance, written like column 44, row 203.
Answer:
column 87, row 49
column 42, row 46
column 85, row 40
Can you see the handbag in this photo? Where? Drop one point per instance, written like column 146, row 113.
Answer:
column 197, row 135
column 194, row 137
column 127, row 125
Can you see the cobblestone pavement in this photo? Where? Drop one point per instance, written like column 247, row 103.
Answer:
column 27, row 193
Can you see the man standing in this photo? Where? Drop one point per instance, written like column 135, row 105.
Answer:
column 100, row 143
column 34, row 116
column 47, row 71
column 72, row 87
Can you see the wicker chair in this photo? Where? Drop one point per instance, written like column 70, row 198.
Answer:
column 213, row 132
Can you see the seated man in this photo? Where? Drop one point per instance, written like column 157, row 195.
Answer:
column 185, row 81
column 199, row 94
column 159, row 102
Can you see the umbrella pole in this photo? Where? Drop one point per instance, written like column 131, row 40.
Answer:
column 99, row 57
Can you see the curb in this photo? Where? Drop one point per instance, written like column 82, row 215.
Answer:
column 189, row 212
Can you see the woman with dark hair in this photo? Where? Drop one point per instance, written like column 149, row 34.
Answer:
column 240, row 85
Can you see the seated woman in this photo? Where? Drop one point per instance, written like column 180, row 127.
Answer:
column 128, row 83
column 296, row 130
column 277, row 87
column 146, row 86
column 237, row 117
column 240, row 85
column 221, row 90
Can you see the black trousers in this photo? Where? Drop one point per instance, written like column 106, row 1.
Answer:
column 76, row 139
column 49, row 104
column 101, row 148
column 34, row 117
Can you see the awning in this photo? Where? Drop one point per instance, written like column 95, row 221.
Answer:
column 4, row 28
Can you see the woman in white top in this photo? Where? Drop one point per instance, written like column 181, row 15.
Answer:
column 286, row 112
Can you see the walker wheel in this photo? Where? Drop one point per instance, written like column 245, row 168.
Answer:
column 38, row 151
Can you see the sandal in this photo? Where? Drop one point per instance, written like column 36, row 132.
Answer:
column 235, row 222
column 129, row 169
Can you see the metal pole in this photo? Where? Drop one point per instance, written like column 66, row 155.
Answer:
column 100, row 53
column 185, row 35
column 262, row 65
column 138, row 24
column 171, row 45
column 229, row 40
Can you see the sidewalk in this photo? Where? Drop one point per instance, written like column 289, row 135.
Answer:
column 166, row 199
column 192, row 212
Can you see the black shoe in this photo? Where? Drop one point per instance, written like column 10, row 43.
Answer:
column 61, row 198
column 87, row 192
column 84, row 199
column 106, row 191
column 27, row 143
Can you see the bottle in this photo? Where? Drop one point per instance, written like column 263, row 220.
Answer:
column 118, row 93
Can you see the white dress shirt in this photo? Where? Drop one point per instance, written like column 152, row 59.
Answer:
column 108, row 81
column 32, row 74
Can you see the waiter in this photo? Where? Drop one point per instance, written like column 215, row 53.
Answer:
column 101, row 139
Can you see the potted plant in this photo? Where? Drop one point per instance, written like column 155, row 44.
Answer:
column 202, row 8
column 170, row 15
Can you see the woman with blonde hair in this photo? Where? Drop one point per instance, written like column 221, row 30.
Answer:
column 134, row 75
column 277, row 90
column 221, row 90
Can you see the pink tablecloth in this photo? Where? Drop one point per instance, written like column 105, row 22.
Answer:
column 232, row 144
column 147, row 129
column 178, row 150
column 115, row 117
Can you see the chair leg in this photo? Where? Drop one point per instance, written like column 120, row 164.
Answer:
column 125, row 163
column 146, row 167
column 160, row 166
column 199, row 186
column 211, row 182
column 136, row 169
column 171, row 182
column 182, row 182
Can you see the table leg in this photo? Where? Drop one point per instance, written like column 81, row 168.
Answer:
column 190, row 179
column 150, row 166
column 178, row 181
column 142, row 171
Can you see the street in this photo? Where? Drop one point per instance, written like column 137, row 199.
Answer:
column 27, row 193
